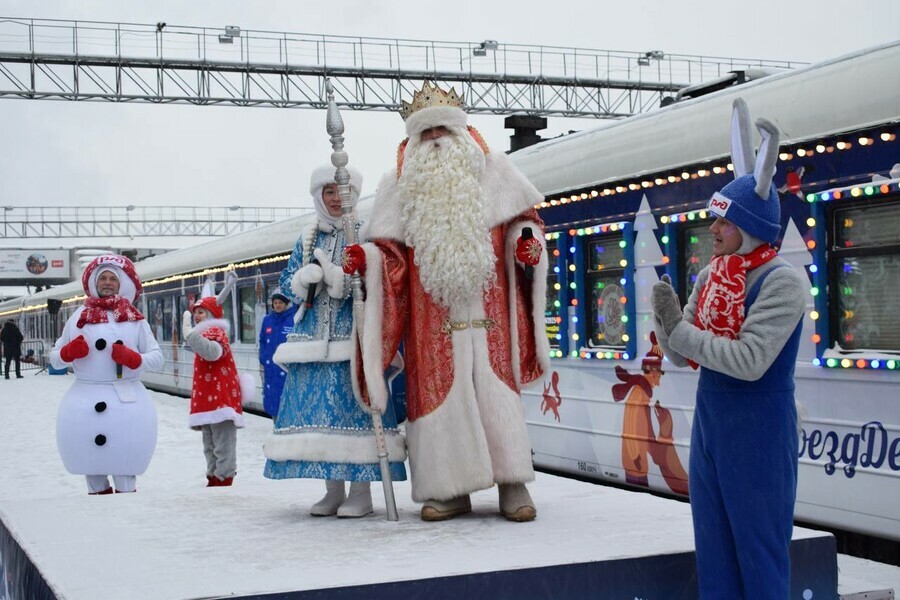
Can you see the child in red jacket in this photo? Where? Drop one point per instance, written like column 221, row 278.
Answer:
column 216, row 396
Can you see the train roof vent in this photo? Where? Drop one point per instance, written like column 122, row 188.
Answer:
column 731, row 78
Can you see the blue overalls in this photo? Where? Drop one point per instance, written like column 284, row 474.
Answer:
column 743, row 477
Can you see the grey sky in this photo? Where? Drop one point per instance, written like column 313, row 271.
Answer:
column 64, row 153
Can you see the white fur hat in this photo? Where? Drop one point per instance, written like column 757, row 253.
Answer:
column 322, row 176
column 435, row 116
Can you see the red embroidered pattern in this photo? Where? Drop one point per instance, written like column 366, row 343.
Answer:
column 720, row 306
column 496, row 307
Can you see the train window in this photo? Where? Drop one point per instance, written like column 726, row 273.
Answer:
column 606, row 326
column 552, row 317
column 865, row 270
column 695, row 253
column 153, row 314
column 247, row 296
column 160, row 318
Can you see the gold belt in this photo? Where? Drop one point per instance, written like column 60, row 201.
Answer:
column 449, row 326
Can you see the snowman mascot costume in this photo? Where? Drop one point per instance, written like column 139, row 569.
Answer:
column 106, row 424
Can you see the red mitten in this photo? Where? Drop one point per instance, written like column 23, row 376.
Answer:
column 528, row 251
column 123, row 355
column 354, row 260
column 77, row 348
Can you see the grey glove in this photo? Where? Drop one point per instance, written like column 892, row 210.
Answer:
column 666, row 307
column 204, row 347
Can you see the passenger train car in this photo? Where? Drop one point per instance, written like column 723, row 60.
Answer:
column 171, row 283
column 623, row 205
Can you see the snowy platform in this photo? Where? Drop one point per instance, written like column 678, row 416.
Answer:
column 178, row 539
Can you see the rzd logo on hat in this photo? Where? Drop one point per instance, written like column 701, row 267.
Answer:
column 719, row 204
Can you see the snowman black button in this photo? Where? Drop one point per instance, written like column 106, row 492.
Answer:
column 100, row 344
column 100, row 439
column 100, row 407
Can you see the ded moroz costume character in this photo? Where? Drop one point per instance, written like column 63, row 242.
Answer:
column 741, row 325
column 444, row 275
column 106, row 424
column 321, row 431
column 218, row 389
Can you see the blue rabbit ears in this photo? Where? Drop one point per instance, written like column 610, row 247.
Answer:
column 751, row 201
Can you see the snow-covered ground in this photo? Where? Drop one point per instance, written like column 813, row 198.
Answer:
column 258, row 536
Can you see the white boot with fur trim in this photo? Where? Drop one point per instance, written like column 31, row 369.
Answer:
column 516, row 503
column 441, row 510
column 359, row 501
column 334, row 497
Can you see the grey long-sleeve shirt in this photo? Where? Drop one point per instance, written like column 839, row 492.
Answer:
column 767, row 326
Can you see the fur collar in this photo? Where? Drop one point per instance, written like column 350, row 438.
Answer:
column 507, row 192
column 210, row 323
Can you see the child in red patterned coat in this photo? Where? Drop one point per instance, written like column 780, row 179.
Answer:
column 216, row 397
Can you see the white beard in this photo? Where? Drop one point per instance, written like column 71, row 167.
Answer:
column 443, row 216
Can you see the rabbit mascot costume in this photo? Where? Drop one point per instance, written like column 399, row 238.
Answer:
column 218, row 390
column 741, row 326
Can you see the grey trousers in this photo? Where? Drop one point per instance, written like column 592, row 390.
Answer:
column 220, row 449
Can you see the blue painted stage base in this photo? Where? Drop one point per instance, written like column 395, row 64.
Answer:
column 662, row 577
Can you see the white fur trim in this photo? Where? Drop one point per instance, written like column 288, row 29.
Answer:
column 538, row 298
column 371, row 335
column 322, row 176
column 225, row 413
column 333, row 447
column 476, row 437
column 507, row 192
column 435, row 116
column 248, row 387
column 312, row 351
column 206, row 324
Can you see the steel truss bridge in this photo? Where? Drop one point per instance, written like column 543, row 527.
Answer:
column 106, row 222
column 127, row 62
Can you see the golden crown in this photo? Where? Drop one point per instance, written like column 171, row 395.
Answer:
column 431, row 95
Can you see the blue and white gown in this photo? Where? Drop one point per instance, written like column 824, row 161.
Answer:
column 321, row 431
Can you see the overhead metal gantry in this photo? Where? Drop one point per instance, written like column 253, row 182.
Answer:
column 104, row 222
column 126, row 62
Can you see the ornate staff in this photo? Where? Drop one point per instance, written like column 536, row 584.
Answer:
column 334, row 124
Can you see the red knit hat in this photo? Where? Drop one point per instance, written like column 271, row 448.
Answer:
column 653, row 360
column 209, row 305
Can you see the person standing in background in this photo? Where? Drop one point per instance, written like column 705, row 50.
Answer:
column 12, row 346
column 274, row 330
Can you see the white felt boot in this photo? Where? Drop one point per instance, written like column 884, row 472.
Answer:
column 334, row 496
column 516, row 503
column 359, row 502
